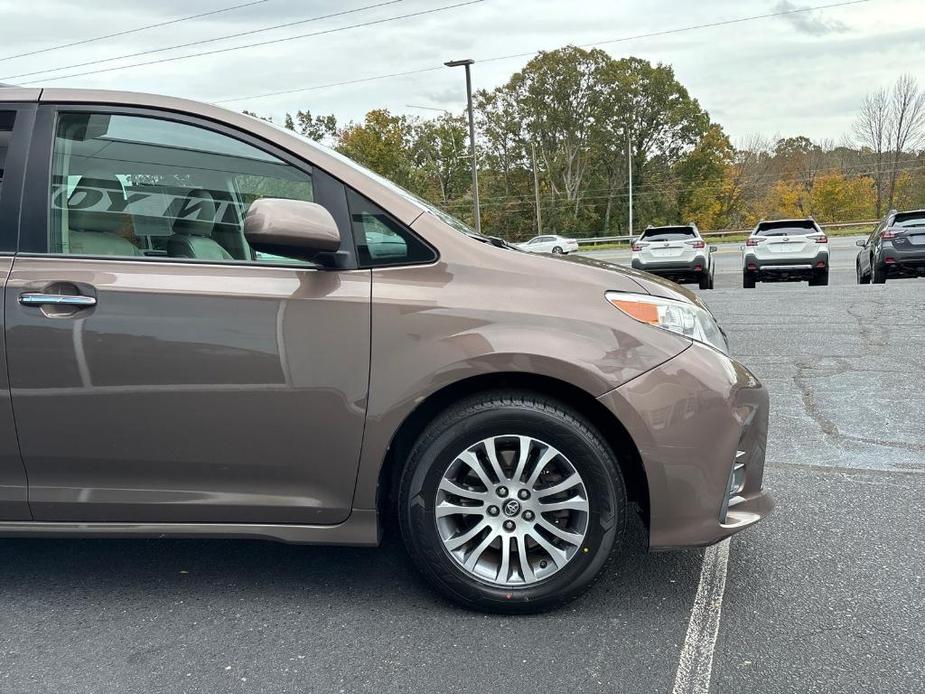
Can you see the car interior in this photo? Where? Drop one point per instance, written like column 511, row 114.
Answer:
column 128, row 186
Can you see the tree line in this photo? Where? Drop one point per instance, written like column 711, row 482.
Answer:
column 569, row 121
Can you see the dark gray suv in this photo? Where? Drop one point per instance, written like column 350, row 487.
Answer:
column 896, row 248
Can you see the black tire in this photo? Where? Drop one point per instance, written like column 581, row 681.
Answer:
column 820, row 279
column 748, row 281
column 706, row 281
column 556, row 250
column 498, row 414
column 862, row 279
column 877, row 273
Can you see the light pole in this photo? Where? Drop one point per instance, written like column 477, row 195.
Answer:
column 629, row 162
column 475, row 165
column 536, row 192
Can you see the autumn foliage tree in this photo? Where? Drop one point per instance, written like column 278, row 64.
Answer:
column 575, row 116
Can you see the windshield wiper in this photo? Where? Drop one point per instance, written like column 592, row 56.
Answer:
column 495, row 241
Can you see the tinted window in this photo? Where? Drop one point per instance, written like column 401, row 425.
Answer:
column 788, row 228
column 910, row 219
column 138, row 186
column 6, row 135
column 380, row 240
column 668, row 234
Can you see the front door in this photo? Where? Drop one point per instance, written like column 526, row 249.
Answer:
column 160, row 369
column 15, row 127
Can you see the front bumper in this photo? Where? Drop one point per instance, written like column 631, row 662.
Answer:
column 692, row 419
column 679, row 270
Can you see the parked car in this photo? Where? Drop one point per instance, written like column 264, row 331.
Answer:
column 786, row 250
column 557, row 245
column 214, row 327
column 896, row 248
column 678, row 253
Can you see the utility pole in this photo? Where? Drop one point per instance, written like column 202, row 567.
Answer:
column 475, row 165
column 629, row 161
column 536, row 192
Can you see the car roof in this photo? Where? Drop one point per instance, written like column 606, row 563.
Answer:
column 399, row 203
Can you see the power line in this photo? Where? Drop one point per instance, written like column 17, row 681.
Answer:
column 526, row 201
column 270, row 42
column 708, row 25
column 137, row 29
column 224, row 37
column 422, row 70
column 857, row 170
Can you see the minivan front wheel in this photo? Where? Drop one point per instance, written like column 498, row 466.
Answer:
column 511, row 502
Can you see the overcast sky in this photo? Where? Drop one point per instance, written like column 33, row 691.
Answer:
column 801, row 74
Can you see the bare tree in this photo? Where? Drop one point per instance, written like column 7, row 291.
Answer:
column 907, row 127
column 891, row 123
column 873, row 130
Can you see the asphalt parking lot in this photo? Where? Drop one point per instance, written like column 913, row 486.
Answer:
column 826, row 595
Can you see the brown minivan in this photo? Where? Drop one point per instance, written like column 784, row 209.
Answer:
column 215, row 328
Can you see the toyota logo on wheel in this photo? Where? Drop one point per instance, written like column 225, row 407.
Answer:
column 511, row 507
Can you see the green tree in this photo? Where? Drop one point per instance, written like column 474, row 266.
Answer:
column 383, row 143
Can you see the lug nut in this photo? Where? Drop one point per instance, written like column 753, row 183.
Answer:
column 524, row 494
column 493, row 511
column 508, row 525
column 501, row 491
column 528, row 515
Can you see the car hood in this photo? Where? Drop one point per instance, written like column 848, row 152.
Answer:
column 650, row 284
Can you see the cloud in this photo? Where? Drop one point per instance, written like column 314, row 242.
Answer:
column 809, row 22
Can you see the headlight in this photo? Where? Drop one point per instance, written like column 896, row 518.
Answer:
column 675, row 316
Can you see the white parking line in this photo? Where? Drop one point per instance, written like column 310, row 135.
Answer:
column 696, row 663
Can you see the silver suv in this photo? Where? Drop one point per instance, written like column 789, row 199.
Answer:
column 786, row 250
column 676, row 252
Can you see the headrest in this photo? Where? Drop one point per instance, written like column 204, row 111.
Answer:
column 196, row 217
column 88, row 206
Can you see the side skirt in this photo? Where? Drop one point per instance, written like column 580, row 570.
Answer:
column 361, row 528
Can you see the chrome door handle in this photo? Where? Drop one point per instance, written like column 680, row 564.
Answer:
column 39, row 299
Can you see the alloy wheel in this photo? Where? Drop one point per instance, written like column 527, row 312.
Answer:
column 511, row 510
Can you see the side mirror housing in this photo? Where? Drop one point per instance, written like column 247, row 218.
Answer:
column 861, row 242
column 713, row 249
column 292, row 228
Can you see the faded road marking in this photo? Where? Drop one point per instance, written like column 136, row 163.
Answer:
column 696, row 663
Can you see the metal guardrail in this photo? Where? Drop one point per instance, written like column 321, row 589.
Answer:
column 591, row 241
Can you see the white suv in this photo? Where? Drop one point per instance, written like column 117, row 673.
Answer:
column 786, row 250
column 676, row 252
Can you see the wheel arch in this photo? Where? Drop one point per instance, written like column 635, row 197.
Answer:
column 614, row 432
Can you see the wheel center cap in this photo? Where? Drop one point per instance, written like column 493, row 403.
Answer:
column 511, row 507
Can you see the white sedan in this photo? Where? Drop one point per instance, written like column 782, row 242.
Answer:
column 557, row 245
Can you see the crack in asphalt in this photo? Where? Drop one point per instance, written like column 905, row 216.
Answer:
column 829, row 428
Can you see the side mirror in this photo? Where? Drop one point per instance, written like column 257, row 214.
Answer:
column 861, row 242
column 292, row 228
column 713, row 249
